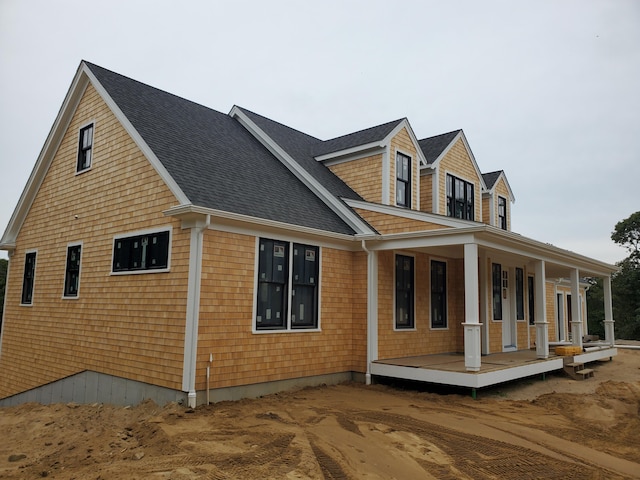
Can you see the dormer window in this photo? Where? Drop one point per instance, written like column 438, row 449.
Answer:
column 460, row 197
column 403, row 180
column 502, row 213
column 85, row 148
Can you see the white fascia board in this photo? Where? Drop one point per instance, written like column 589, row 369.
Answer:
column 51, row 144
column 357, row 151
column 506, row 182
column 253, row 224
column 338, row 207
column 405, row 124
column 410, row 214
column 137, row 138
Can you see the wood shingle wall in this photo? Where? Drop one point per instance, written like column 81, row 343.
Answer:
column 125, row 325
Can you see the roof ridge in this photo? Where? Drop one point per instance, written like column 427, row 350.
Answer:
column 246, row 110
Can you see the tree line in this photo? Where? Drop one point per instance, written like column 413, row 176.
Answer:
column 625, row 286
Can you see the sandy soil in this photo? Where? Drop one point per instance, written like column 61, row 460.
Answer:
column 553, row 429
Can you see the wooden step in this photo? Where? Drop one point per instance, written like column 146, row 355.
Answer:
column 585, row 373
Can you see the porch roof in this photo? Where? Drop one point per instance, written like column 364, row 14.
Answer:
column 507, row 245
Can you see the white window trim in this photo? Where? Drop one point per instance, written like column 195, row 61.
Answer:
column 256, row 266
column 66, row 254
column 147, row 231
column 32, row 250
column 93, row 146
column 415, row 291
column 446, row 262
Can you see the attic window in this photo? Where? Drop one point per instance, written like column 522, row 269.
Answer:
column 85, row 148
column 403, row 180
column 502, row 213
column 460, row 198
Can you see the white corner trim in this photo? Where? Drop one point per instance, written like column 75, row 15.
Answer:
column 316, row 187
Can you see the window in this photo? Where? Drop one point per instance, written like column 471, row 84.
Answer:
column 287, row 281
column 460, row 198
column 85, row 147
column 72, row 272
column 404, row 292
column 502, row 213
column 28, row 278
column 403, row 180
column 438, row 294
column 496, row 277
column 519, row 294
column 532, row 318
column 143, row 252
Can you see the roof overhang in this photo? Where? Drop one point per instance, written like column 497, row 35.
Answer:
column 502, row 243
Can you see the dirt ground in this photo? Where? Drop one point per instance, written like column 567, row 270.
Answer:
column 533, row 429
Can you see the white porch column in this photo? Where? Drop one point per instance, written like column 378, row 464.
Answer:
column 576, row 309
column 372, row 310
column 484, row 304
column 609, row 333
column 471, row 309
column 542, row 326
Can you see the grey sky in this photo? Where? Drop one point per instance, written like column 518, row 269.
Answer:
column 548, row 91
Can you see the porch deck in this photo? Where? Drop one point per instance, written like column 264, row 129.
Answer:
column 449, row 369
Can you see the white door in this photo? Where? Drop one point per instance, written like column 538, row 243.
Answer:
column 508, row 319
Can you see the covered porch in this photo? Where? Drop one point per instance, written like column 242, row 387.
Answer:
column 486, row 358
column 450, row 368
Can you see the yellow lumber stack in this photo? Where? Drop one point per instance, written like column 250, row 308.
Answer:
column 568, row 350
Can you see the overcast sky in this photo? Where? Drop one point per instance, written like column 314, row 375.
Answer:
column 547, row 90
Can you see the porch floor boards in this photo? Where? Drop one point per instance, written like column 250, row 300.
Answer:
column 454, row 362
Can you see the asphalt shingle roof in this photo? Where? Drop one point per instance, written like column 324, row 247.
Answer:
column 432, row 147
column 491, row 178
column 217, row 163
column 362, row 137
column 301, row 147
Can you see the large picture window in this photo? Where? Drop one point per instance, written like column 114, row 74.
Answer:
column 72, row 271
column 403, row 180
column 438, row 294
column 496, row 277
column 28, row 279
column 460, row 198
column 143, row 252
column 287, row 295
column 404, row 292
column 85, row 148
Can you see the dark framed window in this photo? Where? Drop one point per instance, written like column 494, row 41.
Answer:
column 85, row 148
column 530, row 288
column 304, row 287
column 460, row 198
column 72, row 271
column 496, row 281
column 404, row 292
column 403, row 180
column 284, row 281
column 519, row 294
column 438, row 294
column 136, row 253
column 502, row 213
column 28, row 278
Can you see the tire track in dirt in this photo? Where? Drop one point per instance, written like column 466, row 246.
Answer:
column 483, row 458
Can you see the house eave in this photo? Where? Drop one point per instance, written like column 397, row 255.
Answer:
column 191, row 212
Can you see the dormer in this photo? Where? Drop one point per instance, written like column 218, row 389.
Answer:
column 497, row 200
column 381, row 163
column 451, row 183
